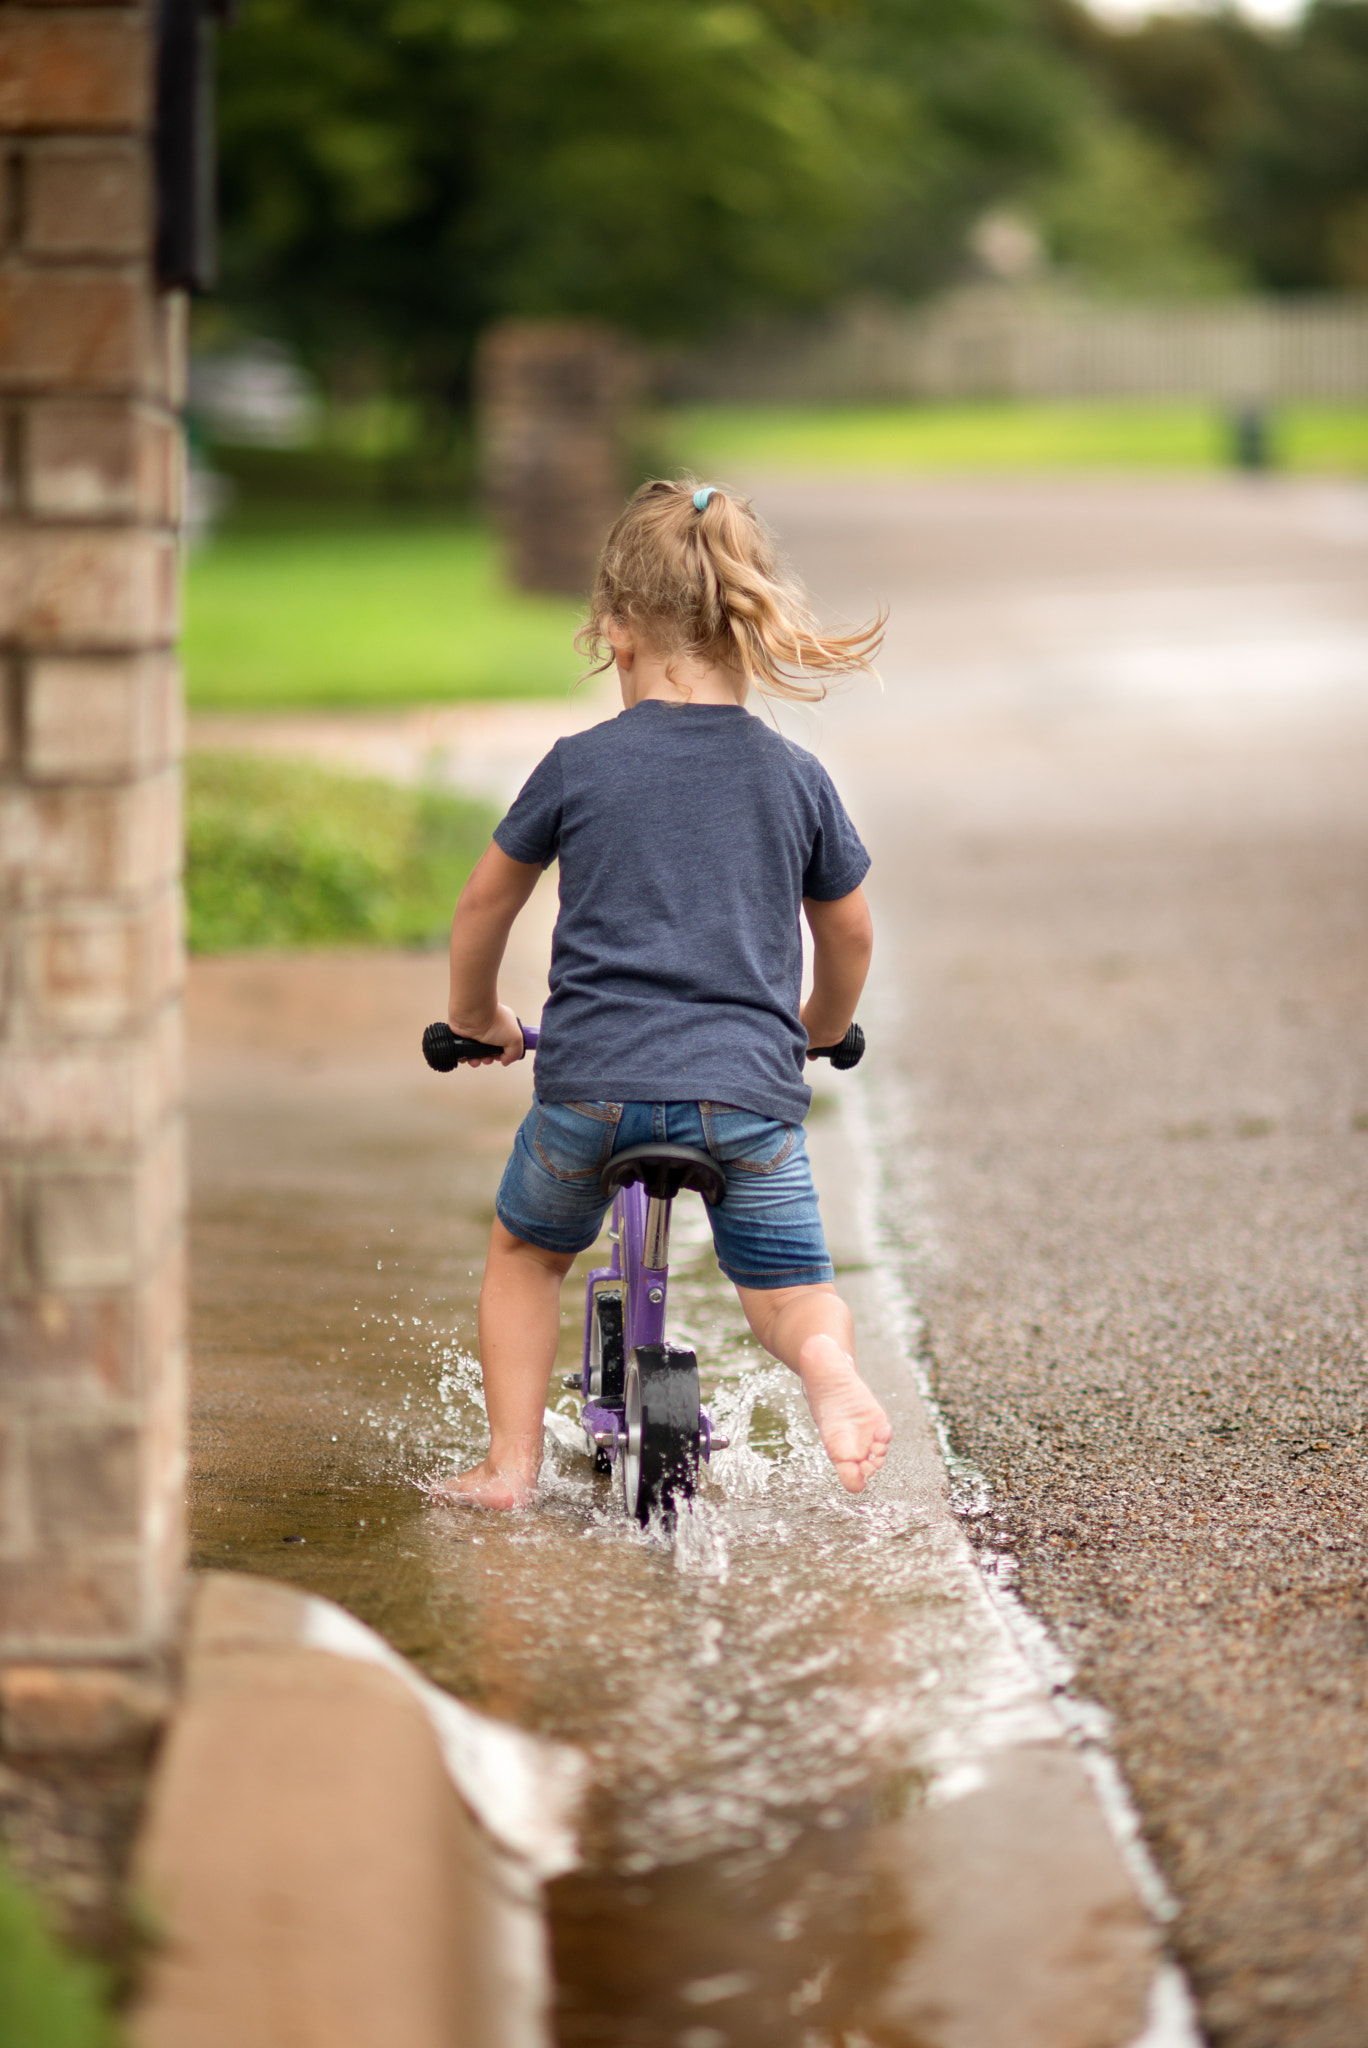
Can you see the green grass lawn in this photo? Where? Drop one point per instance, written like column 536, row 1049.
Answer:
column 381, row 613
column 1135, row 435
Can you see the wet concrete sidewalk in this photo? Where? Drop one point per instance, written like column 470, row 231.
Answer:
column 823, row 1779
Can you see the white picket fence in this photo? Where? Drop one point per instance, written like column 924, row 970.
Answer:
column 999, row 342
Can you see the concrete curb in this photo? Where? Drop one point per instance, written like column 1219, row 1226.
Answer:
column 1035, row 1930
column 317, row 1876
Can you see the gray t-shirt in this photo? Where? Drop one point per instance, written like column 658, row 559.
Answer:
column 688, row 836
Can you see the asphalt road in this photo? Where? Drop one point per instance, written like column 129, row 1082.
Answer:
column 1116, row 789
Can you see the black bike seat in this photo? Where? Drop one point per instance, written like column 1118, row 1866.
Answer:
column 664, row 1170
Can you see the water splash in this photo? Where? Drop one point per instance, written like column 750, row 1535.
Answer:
column 750, row 1673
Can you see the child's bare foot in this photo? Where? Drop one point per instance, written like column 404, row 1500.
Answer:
column 854, row 1429
column 488, row 1485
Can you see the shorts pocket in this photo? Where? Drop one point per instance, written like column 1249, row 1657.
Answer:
column 574, row 1140
column 745, row 1142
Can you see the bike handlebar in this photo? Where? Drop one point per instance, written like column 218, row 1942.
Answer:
column 848, row 1053
column 443, row 1049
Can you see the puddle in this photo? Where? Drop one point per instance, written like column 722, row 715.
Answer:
column 753, row 1693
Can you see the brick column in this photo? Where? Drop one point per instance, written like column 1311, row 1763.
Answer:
column 553, row 398
column 91, row 1358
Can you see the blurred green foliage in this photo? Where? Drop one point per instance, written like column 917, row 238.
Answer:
column 397, row 173
column 48, row 1998
column 356, row 608
column 1270, row 124
column 340, row 484
column 283, row 853
column 1129, row 218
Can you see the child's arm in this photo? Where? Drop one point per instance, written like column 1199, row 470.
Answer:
column 496, row 891
column 842, row 942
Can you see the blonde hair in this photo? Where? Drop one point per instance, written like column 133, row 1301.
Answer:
column 709, row 583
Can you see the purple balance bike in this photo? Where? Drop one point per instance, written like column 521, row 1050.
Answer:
column 641, row 1416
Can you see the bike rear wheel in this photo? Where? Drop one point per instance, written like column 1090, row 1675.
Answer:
column 659, row 1457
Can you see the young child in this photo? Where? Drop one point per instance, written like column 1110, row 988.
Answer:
column 689, row 835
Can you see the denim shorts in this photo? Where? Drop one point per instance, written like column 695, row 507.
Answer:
column 767, row 1230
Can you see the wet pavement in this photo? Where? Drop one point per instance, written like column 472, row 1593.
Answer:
column 767, row 1699
column 1117, row 794
column 1115, row 789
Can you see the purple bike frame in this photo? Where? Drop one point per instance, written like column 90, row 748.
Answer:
column 645, row 1288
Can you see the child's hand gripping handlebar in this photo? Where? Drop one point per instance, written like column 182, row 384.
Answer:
column 848, row 1053
column 443, row 1050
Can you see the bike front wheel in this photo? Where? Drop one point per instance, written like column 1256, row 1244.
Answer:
column 659, row 1458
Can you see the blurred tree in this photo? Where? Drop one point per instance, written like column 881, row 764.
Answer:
column 1294, row 181
column 398, row 172
column 1274, row 122
column 1182, row 77
column 983, row 106
column 1128, row 217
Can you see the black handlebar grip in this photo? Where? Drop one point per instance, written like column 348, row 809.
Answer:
column 443, row 1050
column 848, row 1053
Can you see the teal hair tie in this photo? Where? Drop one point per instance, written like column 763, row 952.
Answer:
column 701, row 497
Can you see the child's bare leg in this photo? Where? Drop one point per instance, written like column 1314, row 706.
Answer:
column 810, row 1329
column 519, row 1328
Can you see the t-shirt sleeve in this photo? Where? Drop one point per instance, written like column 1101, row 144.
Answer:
column 838, row 861
column 531, row 830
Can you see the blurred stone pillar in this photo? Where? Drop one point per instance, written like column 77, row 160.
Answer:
column 91, row 356
column 553, row 400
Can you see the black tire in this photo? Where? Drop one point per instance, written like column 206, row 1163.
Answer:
column 659, row 1458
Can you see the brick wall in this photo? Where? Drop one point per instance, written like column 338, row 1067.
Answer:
column 91, row 1373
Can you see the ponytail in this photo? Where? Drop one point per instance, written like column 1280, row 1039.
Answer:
column 696, row 571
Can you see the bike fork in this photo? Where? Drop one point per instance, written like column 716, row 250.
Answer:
column 624, row 1322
